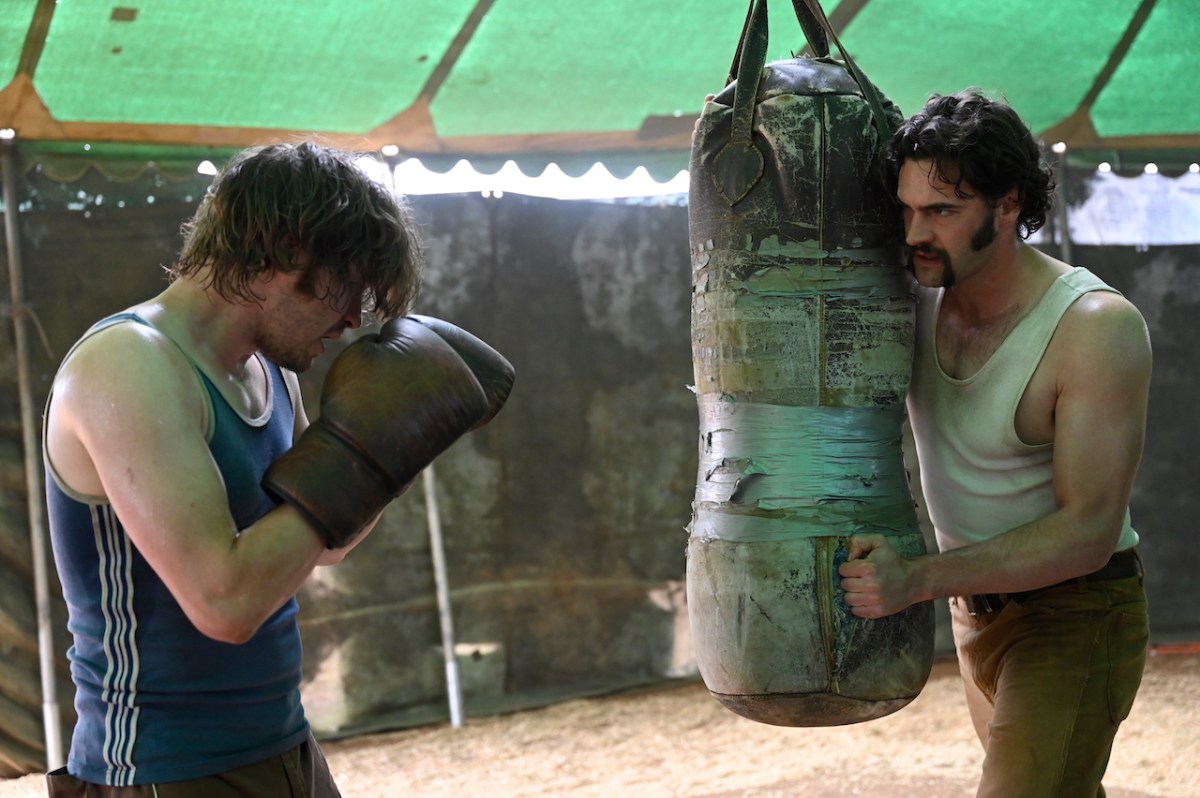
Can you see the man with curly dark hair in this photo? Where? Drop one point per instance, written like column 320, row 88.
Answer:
column 189, row 497
column 1028, row 409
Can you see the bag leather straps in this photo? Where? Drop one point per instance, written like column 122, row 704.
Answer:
column 812, row 16
column 739, row 164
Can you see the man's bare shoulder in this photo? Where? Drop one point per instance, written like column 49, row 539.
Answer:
column 1097, row 311
column 116, row 381
column 1105, row 326
column 126, row 350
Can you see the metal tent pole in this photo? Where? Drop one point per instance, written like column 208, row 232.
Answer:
column 33, row 479
column 1064, row 227
column 445, row 615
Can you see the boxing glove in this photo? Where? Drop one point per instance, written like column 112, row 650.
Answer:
column 391, row 403
column 494, row 377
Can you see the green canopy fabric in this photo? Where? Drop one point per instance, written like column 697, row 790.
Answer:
column 618, row 81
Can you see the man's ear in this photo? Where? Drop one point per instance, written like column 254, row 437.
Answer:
column 1009, row 205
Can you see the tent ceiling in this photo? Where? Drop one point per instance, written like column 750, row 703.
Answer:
column 533, row 80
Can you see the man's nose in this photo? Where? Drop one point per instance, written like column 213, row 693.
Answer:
column 353, row 315
column 916, row 232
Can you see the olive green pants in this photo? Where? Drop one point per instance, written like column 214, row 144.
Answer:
column 1049, row 678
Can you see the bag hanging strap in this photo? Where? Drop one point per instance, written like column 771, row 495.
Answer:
column 815, row 32
column 816, row 28
column 739, row 164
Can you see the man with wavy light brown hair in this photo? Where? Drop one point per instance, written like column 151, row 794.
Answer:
column 190, row 498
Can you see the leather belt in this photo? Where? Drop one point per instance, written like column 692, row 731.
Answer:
column 1122, row 565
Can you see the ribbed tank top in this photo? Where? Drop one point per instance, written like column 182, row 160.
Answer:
column 979, row 479
column 157, row 700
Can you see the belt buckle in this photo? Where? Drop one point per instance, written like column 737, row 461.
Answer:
column 985, row 603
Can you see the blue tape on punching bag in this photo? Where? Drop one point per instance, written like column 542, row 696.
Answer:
column 795, row 472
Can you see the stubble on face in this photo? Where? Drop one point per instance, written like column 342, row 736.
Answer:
column 948, row 277
column 294, row 331
column 294, row 361
column 287, row 351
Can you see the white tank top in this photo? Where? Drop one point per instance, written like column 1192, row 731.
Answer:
column 978, row 478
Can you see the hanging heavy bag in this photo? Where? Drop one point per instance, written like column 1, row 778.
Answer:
column 802, row 329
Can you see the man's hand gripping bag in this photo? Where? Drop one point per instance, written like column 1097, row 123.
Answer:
column 802, row 329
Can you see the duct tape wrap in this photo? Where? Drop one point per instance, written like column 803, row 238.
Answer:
column 779, row 491
column 775, row 473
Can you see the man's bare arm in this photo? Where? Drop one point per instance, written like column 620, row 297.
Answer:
column 127, row 423
column 1099, row 428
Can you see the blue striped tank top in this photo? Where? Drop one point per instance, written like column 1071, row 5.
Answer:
column 157, row 700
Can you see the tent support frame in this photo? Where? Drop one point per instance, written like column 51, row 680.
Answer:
column 32, row 447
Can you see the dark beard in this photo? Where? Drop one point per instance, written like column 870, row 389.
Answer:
column 297, row 365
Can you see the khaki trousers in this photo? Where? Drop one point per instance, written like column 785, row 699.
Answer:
column 1049, row 679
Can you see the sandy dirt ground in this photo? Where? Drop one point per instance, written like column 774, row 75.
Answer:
column 678, row 741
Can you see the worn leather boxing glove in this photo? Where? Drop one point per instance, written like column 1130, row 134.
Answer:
column 494, row 377
column 390, row 404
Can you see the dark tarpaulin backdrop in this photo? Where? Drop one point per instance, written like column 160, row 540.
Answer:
column 564, row 520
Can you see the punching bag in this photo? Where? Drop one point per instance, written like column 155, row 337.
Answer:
column 802, row 327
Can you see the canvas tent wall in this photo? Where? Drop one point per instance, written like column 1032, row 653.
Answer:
column 565, row 521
